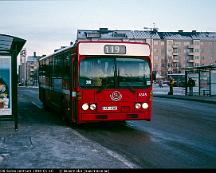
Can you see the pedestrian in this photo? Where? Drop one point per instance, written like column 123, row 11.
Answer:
column 160, row 84
column 191, row 84
column 171, row 84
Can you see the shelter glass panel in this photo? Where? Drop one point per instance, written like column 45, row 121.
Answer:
column 213, row 82
column 204, row 83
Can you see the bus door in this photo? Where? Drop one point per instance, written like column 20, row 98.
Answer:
column 73, row 93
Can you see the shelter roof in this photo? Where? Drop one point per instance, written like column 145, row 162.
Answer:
column 9, row 44
column 204, row 67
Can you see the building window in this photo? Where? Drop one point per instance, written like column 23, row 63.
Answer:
column 156, row 58
column 186, row 43
column 196, row 42
column 169, row 65
column 155, row 43
column 177, row 43
column 170, row 42
column 155, row 50
column 175, row 50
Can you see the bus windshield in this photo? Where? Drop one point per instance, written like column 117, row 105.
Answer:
column 114, row 72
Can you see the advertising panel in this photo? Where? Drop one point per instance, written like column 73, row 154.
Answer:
column 213, row 83
column 204, row 80
column 5, row 86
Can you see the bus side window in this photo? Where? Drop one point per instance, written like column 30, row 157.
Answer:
column 60, row 66
column 74, row 71
column 50, row 71
column 66, row 70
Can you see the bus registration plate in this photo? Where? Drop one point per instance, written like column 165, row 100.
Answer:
column 109, row 108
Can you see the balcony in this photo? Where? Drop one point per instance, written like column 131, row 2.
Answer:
column 191, row 47
column 175, row 60
column 175, row 46
column 191, row 60
column 191, row 53
column 175, row 53
column 190, row 65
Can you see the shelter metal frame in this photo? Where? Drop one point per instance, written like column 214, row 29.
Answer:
column 198, row 70
column 11, row 46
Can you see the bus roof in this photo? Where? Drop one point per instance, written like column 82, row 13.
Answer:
column 147, row 50
column 57, row 52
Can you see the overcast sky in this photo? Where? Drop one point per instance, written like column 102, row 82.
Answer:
column 50, row 24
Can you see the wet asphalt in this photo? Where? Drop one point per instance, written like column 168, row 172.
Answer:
column 180, row 135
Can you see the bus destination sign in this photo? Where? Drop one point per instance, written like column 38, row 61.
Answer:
column 115, row 49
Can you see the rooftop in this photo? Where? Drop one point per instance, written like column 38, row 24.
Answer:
column 104, row 33
column 9, row 44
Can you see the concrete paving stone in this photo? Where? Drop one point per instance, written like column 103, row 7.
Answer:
column 45, row 146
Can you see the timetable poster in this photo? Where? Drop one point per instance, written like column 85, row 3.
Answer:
column 5, row 86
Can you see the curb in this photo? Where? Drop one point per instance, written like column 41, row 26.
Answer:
column 203, row 100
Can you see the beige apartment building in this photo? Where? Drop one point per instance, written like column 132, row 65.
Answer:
column 172, row 52
column 176, row 51
column 28, row 70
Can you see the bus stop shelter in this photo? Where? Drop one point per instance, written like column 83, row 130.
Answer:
column 10, row 47
column 205, row 79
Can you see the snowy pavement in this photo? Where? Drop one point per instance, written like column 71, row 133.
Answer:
column 165, row 89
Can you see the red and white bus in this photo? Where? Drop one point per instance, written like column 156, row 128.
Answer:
column 95, row 81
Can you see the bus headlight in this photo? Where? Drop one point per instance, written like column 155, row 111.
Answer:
column 93, row 106
column 137, row 105
column 85, row 106
column 145, row 105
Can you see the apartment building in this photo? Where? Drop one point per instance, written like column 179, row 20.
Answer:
column 172, row 52
column 185, row 49
column 28, row 71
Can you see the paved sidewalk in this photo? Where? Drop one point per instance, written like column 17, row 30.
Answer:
column 179, row 93
column 44, row 141
column 203, row 99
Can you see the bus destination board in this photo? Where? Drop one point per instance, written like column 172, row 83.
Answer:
column 115, row 49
